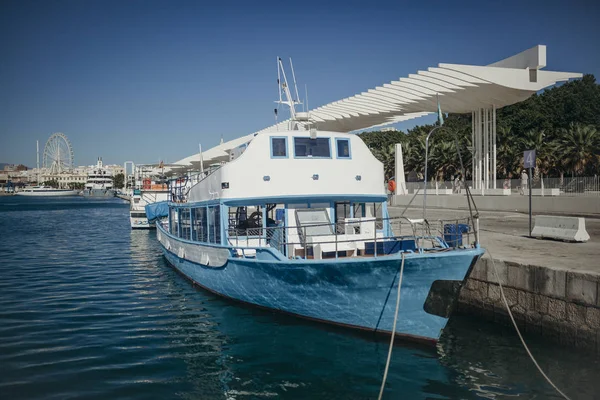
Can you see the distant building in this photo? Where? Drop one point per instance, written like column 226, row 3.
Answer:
column 389, row 129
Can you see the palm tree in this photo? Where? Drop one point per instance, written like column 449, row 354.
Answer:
column 444, row 159
column 507, row 156
column 414, row 151
column 579, row 146
column 387, row 155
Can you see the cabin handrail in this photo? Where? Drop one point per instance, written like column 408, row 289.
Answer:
column 426, row 236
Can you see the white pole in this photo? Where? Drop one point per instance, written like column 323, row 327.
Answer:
column 400, row 180
column 278, row 80
column 495, row 165
column 479, row 150
column 201, row 160
column 294, row 77
column 473, row 152
column 486, row 149
column 37, row 145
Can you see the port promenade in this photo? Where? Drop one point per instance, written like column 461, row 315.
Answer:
column 552, row 287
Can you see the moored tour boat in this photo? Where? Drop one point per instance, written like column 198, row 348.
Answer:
column 46, row 191
column 296, row 221
column 299, row 223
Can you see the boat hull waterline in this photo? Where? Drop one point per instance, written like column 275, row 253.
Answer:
column 350, row 293
column 49, row 193
column 98, row 193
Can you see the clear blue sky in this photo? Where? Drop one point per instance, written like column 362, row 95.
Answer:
column 149, row 80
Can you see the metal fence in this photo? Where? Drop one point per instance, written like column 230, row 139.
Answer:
column 567, row 186
column 366, row 237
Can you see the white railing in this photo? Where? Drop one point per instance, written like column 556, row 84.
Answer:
column 567, row 186
column 352, row 237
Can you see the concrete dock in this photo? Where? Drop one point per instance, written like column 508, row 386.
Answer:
column 552, row 287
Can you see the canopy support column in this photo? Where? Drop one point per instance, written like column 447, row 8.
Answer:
column 483, row 136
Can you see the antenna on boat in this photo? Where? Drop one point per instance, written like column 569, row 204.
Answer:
column 295, row 86
column 305, row 97
column 284, row 89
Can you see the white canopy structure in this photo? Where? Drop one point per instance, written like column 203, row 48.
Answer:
column 479, row 90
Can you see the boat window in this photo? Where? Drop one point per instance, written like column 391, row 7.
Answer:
column 313, row 222
column 343, row 148
column 174, row 222
column 185, row 223
column 375, row 210
column 359, row 210
column 307, row 147
column 199, row 225
column 214, row 224
column 278, row 147
column 342, row 211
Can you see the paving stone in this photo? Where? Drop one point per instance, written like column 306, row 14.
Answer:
column 494, row 296
column 550, row 282
column 582, row 288
column 526, row 301
column 541, row 303
column 500, row 268
column 520, row 276
column 479, row 271
column 557, row 309
column 576, row 314
column 592, row 317
column 512, row 296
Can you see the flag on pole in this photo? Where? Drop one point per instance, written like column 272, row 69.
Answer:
column 439, row 110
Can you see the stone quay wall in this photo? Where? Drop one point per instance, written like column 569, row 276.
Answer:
column 560, row 304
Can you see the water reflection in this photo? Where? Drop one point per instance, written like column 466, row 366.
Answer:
column 90, row 309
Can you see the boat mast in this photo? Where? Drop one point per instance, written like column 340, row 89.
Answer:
column 37, row 145
column 285, row 89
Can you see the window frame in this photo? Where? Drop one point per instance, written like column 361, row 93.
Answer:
column 287, row 152
column 312, row 157
column 337, row 153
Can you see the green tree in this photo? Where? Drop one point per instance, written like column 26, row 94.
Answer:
column 579, row 147
column 118, row 181
column 52, row 183
column 76, row 185
column 443, row 160
column 387, row 155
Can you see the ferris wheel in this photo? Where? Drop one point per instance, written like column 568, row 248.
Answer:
column 58, row 154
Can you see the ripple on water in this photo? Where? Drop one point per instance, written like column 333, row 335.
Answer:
column 89, row 309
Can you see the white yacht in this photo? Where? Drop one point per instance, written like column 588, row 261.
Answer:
column 99, row 182
column 146, row 191
column 46, row 191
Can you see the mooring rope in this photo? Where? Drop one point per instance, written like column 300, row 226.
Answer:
column 519, row 332
column 389, row 357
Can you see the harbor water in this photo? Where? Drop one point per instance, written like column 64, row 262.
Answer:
column 90, row 309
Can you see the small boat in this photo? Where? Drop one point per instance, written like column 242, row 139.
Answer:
column 297, row 222
column 148, row 189
column 99, row 182
column 46, row 191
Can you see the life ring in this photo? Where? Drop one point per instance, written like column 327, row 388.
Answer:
column 392, row 186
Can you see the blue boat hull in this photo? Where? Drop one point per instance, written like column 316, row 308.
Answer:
column 358, row 293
